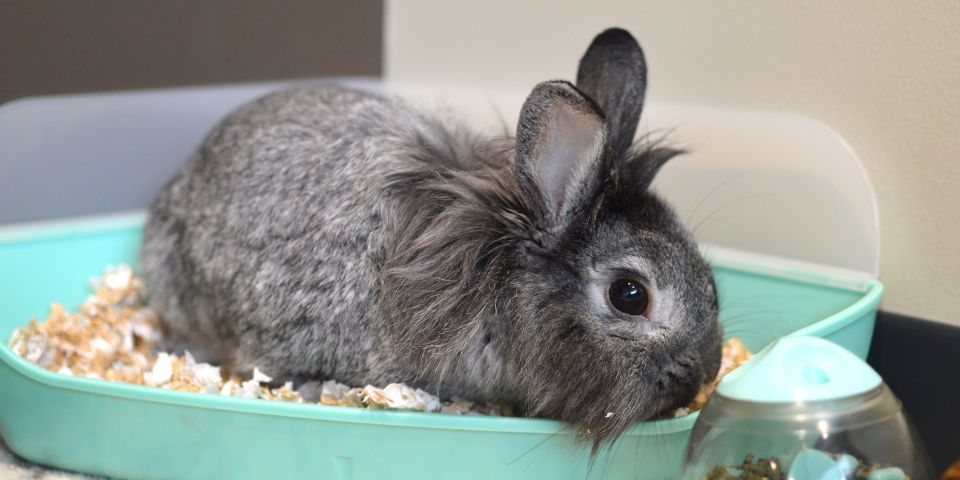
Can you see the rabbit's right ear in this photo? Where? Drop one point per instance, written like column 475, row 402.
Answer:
column 562, row 153
column 613, row 72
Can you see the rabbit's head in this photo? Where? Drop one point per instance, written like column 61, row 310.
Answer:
column 614, row 311
column 557, row 280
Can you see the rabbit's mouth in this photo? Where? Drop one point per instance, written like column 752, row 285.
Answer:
column 678, row 385
column 678, row 398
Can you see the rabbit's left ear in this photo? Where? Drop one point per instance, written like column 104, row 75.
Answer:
column 562, row 153
column 613, row 73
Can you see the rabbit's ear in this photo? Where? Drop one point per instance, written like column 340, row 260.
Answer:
column 562, row 153
column 613, row 73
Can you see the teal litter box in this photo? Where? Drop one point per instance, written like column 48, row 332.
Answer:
column 128, row 431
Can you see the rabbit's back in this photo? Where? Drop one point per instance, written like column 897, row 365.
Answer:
column 265, row 248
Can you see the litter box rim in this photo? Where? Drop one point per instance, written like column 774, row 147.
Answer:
column 313, row 411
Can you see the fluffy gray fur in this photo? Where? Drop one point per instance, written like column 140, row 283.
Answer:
column 329, row 233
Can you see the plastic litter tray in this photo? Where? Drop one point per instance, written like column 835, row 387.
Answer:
column 129, row 431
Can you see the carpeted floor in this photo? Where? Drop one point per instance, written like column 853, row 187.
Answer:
column 13, row 468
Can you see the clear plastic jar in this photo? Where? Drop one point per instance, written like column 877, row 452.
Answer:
column 864, row 436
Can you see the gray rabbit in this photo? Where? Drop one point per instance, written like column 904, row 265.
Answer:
column 327, row 233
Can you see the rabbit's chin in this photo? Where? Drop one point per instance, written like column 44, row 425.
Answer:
column 602, row 424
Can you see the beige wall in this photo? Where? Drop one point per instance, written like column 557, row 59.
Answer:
column 884, row 74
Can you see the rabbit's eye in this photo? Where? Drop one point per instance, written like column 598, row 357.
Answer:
column 629, row 296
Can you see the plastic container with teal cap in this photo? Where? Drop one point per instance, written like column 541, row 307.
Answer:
column 804, row 409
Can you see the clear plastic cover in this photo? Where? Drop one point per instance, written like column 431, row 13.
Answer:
column 768, row 183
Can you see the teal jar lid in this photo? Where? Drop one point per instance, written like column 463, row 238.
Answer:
column 798, row 369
